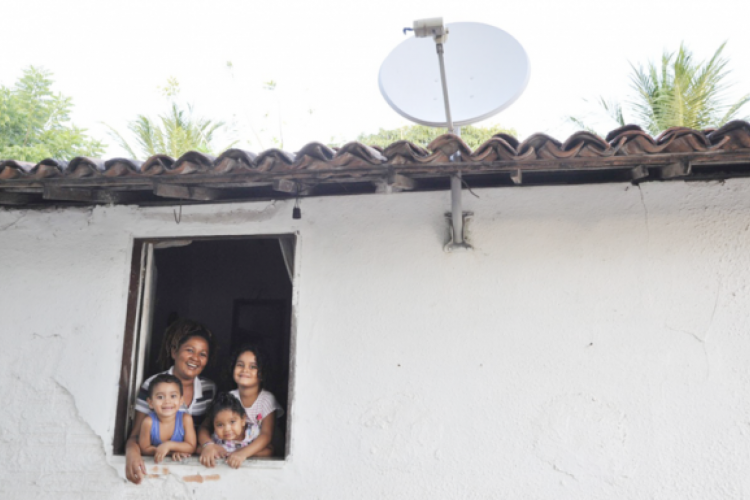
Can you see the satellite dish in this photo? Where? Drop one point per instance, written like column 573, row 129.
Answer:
column 487, row 70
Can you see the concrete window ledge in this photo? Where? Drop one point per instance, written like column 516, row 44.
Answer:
column 191, row 470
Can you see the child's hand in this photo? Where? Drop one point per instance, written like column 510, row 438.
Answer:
column 161, row 451
column 210, row 453
column 178, row 456
column 234, row 460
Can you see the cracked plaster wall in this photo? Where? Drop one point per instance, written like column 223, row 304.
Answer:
column 594, row 345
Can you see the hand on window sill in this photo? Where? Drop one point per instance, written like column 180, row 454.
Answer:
column 190, row 468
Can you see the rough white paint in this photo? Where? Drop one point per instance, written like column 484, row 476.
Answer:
column 594, row 345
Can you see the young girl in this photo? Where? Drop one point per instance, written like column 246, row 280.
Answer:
column 167, row 429
column 260, row 409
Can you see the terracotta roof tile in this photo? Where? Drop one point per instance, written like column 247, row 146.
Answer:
column 274, row 160
column 500, row 147
column 588, row 145
column 235, row 161
column 192, row 162
column 314, row 156
column 83, row 166
column 157, row 165
column 614, row 134
column 541, row 157
column 122, row 167
column 356, row 154
column 683, row 140
column 404, row 153
column 444, row 147
column 11, row 169
column 635, row 142
column 733, row 135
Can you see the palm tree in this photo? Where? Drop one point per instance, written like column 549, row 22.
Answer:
column 678, row 93
column 172, row 134
column 683, row 93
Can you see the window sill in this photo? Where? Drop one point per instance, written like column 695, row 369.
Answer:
column 191, row 470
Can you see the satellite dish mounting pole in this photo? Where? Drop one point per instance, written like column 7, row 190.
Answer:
column 456, row 205
column 434, row 28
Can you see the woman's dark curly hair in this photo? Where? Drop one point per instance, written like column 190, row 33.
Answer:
column 225, row 401
column 260, row 360
column 178, row 333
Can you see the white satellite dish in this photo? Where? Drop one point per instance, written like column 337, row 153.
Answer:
column 486, row 68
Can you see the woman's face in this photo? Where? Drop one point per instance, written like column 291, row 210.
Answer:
column 246, row 370
column 190, row 358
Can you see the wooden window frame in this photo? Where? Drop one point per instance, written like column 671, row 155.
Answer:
column 128, row 387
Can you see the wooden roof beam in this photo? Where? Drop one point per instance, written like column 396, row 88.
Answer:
column 394, row 183
column 7, row 198
column 677, row 169
column 178, row 191
column 517, row 176
column 291, row 187
column 639, row 172
column 102, row 196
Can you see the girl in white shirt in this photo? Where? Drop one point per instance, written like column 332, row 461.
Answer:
column 261, row 409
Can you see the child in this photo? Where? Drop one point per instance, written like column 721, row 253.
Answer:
column 230, row 428
column 260, row 409
column 166, row 429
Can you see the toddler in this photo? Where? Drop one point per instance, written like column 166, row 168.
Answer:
column 166, row 429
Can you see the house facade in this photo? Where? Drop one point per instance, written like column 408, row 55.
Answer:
column 594, row 343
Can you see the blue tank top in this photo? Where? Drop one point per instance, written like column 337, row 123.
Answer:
column 179, row 429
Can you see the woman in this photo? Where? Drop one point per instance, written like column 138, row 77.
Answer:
column 189, row 345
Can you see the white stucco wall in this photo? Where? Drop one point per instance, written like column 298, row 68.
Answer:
column 595, row 345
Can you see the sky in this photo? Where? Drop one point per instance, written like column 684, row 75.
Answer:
column 112, row 57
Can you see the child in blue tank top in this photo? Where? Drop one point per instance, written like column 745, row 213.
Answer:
column 167, row 429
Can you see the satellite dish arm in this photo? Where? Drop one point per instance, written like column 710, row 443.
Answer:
column 433, row 27
column 444, row 81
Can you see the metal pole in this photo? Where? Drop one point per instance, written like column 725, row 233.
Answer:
column 456, row 207
column 445, row 87
column 456, row 210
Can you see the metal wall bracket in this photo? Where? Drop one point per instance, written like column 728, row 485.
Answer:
column 465, row 244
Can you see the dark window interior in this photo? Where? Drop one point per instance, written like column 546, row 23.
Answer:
column 241, row 290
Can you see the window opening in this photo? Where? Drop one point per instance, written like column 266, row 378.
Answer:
column 241, row 288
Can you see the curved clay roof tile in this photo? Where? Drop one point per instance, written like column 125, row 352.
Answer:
column 405, row 153
column 84, row 166
column 496, row 148
column 542, row 145
column 12, row 169
column 683, row 140
column 591, row 145
column 49, row 167
column 192, row 162
column 613, row 135
column 357, row 155
column 314, row 156
column 512, row 140
column 122, row 167
column 274, row 159
column 157, row 165
column 235, row 161
column 733, row 135
column 445, row 146
column 632, row 140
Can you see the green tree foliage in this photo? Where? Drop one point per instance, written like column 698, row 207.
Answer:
column 683, row 92
column 678, row 92
column 35, row 122
column 173, row 133
column 423, row 135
